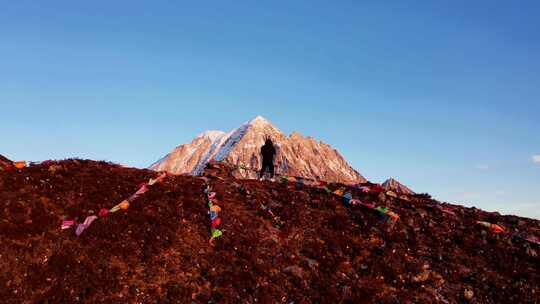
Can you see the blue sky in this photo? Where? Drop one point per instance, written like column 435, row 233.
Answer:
column 442, row 95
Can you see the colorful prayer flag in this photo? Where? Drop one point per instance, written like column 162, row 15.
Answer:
column 66, row 224
column 87, row 222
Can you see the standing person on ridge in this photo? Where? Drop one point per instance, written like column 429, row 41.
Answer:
column 267, row 152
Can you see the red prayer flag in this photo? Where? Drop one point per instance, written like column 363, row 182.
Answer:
column 216, row 222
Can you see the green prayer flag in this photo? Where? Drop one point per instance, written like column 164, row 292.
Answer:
column 216, row 233
column 382, row 209
column 114, row 209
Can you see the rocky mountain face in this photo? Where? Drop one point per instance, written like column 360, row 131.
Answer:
column 393, row 185
column 296, row 155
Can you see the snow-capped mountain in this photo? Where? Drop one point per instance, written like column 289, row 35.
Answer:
column 296, row 155
column 394, row 185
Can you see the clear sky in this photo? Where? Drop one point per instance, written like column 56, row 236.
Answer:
column 442, row 95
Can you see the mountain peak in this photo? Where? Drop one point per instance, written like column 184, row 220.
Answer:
column 259, row 120
column 393, row 185
column 296, row 155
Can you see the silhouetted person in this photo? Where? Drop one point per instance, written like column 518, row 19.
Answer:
column 267, row 152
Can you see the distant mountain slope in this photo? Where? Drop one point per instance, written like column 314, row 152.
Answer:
column 4, row 160
column 296, row 155
column 394, row 185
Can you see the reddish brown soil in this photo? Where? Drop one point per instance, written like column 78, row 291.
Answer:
column 318, row 251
